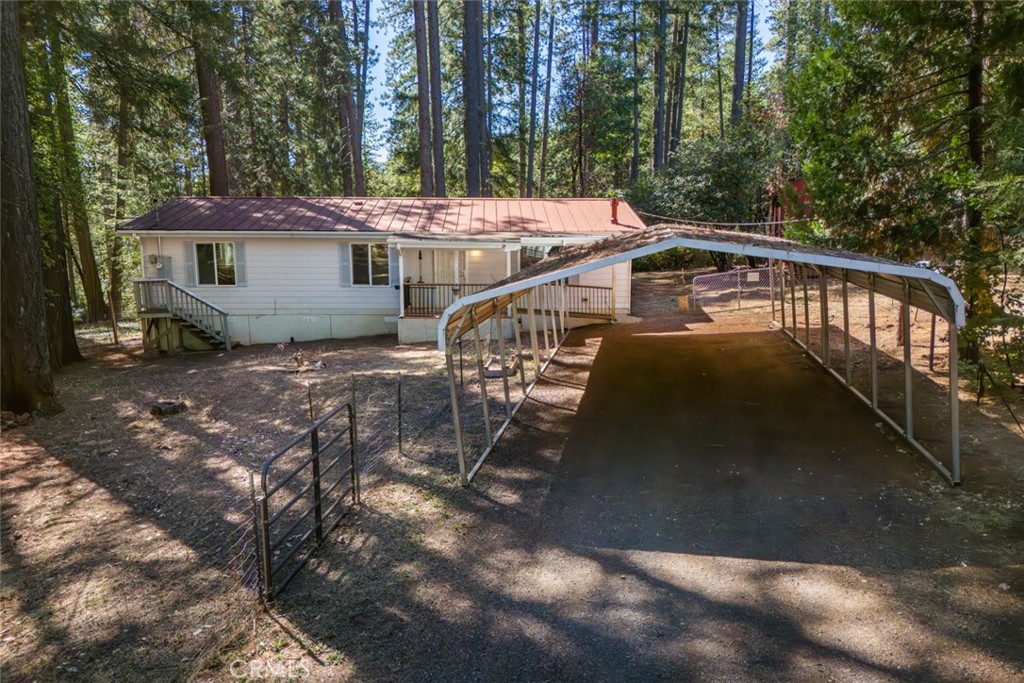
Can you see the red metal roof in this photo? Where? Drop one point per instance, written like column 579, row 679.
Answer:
column 479, row 216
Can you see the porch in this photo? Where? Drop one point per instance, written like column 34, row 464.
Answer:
column 435, row 275
column 423, row 300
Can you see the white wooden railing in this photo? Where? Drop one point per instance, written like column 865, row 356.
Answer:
column 161, row 296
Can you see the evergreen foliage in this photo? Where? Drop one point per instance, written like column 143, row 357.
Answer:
column 904, row 118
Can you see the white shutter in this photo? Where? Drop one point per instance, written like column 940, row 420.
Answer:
column 190, row 263
column 240, row 271
column 393, row 274
column 345, row 263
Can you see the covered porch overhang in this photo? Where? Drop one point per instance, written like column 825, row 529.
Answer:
column 542, row 286
column 437, row 270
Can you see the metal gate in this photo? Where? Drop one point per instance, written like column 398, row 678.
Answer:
column 318, row 468
column 735, row 290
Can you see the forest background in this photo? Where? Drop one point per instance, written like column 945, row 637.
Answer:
column 903, row 118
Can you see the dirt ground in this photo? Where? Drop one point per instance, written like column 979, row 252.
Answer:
column 126, row 537
column 653, row 513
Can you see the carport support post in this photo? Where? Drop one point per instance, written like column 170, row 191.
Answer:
column 931, row 347
column 514, row 309
column 846, row 326
column 807, row 310
column 771, row 285
column 555, row 341
column 530, row 303
column 908, row 357
column 826, row 337
column 782, row 291
column 483, row 379
column 561, row 308
column 544, row 319
column 873, row 339
column 501, row 353
column 456, row 417
column 954, row 401
column 793, row 296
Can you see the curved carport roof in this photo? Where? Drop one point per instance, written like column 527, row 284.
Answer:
column 913, row 286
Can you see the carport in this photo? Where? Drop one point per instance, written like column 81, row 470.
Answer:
column 536, row 297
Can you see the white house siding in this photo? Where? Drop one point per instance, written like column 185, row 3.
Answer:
column 603, row 278
column 486, row 266
column 293, row 290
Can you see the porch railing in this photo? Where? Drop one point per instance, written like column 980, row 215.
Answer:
column 427, row 300
column 159, row 296
column 589, row 301
column 585, row 301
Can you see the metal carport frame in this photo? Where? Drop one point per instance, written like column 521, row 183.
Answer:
column 541, row 285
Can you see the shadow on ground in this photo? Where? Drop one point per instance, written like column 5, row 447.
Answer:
column 709, row 507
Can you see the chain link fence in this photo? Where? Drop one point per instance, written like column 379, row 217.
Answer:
column 736, row 290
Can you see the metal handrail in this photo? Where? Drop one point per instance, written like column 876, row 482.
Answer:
column 187, row 293
column 161, row 294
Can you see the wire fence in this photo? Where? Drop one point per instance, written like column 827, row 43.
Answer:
column 736, row 290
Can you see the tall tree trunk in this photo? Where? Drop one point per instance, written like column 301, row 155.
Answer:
column 533, row 99
column 349, row 134
column 59, row 319
column 213, row 124
column 789, row 56
column 362, row 51
column 659, row 111
column 975, row 281
column 739, row 61
column 437, row 123
column 26, row 383
column 71, row 177
column 750, row 55
column 522, row 72
column 57, row 274
column 487, row 102
column 634, row 164
column 284, row 162
column 670, row 92
column 718, row 72
column 261, row 168
column 473, row 93
column 364, row 64
column 115, row 267
column 975, row 74
column 677, row 130
column 547, row 101
column 209, row 104
column 352, row 117
column 423, row 100
column 581, row 147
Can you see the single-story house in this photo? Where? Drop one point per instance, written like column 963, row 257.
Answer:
column 252, row 270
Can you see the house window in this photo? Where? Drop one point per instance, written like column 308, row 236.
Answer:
column 370, row 264
column 215, row 263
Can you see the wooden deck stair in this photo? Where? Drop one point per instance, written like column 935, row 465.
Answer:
column 162, row 299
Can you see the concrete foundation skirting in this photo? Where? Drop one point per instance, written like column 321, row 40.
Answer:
column 276, row 329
